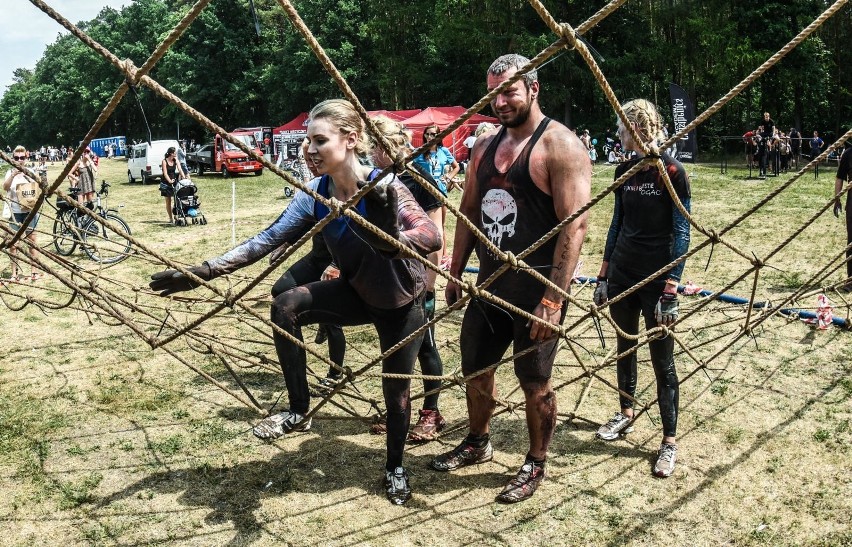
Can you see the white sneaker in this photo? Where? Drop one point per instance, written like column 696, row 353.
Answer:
column 616, row 425
column 666, row 458
column 278, row 425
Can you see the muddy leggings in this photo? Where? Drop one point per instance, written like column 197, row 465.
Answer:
column 626, row 314
column 336, row 302
column 305, row 270
column 430, row 365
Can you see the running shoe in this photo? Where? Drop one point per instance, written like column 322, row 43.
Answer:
column 278, row 425
column 462, row 456
column 524, row 485
column 616, row 425
column 379, row 425
column 666, row 458
column 396, row 486
column 428, row 426
column 326, row 385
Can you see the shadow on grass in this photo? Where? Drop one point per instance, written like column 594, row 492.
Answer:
column 322, row 466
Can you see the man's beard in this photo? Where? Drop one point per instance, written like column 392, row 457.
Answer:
column 520, row 117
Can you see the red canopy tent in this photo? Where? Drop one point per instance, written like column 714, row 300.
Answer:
column 442, row 116
column 396, row 115
column 288, row 137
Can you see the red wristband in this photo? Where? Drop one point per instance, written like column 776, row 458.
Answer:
column 551, row 304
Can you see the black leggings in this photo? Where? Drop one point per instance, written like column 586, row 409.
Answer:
column 305, row 270
column 626, row 314
column 336, row 302
column 430, row 365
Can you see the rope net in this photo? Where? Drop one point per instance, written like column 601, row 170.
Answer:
column 221, row 325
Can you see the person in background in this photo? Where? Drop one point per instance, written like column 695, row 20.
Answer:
column 430, row 422
column 83, row 175
column 439, row 162
column 817, row 144
column 842, row 178
column 795, row 146
column 172, row 172
column 15, row 177
column 647, row 232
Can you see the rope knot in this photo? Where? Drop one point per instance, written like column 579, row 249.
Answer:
column 335, row 207
column 131, row 73
column 511, row 259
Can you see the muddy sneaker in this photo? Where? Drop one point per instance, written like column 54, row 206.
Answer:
column 278, row 425
column 666, row 458
column 614, row 427
column 524, row 485
column 396, row 486
column 428, row 426
column 461, row 456
column 379, row 425
column 326, row 386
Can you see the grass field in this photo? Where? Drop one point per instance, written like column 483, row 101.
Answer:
column 105, row 441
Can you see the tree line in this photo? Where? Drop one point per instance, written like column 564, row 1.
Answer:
column 399, row 55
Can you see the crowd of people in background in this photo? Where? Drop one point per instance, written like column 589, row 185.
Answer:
column 771, row 150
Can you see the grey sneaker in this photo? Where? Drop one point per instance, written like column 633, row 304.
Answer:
column 616, row 425
column 278, row 425
column 666, row 458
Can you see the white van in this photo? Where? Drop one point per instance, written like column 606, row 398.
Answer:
column 144, row 161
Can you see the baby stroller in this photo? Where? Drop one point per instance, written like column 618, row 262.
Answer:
column 187, row 206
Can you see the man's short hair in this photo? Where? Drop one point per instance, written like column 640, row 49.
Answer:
column 513, row 60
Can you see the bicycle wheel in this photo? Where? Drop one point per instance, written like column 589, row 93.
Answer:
column 65, row 235
column 104, row 245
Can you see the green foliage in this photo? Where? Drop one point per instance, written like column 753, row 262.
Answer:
column 398, row 55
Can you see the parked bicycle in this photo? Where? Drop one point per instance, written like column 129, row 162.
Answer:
column 72, row 228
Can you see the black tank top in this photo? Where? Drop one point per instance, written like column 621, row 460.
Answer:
column 171, row 169
column 515, row 213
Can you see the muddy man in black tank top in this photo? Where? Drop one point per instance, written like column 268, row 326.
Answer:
column 521, row 182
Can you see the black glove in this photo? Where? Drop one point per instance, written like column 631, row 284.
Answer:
column 172, row 281
column 381, row 205
column 666, row 311
column 838, row 208
column 600, row 297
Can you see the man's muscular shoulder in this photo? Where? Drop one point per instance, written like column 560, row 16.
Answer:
column 559, row 150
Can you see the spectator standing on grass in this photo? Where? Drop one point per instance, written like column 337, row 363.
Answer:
column 84, row 173
column 647, row 232
column 750, row 147
column 843, row 177
column 795, row 146
column 817, row 144
column 439, row 162
column 14, row 178
column 377, row 284
column 524, row 179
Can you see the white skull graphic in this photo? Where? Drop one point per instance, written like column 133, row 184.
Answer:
column 499, row 213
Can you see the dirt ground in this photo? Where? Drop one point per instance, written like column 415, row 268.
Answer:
column 106, row 441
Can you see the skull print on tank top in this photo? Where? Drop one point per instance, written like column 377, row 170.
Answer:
column 515, row 213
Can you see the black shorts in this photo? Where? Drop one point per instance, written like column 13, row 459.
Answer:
column 486, row 332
